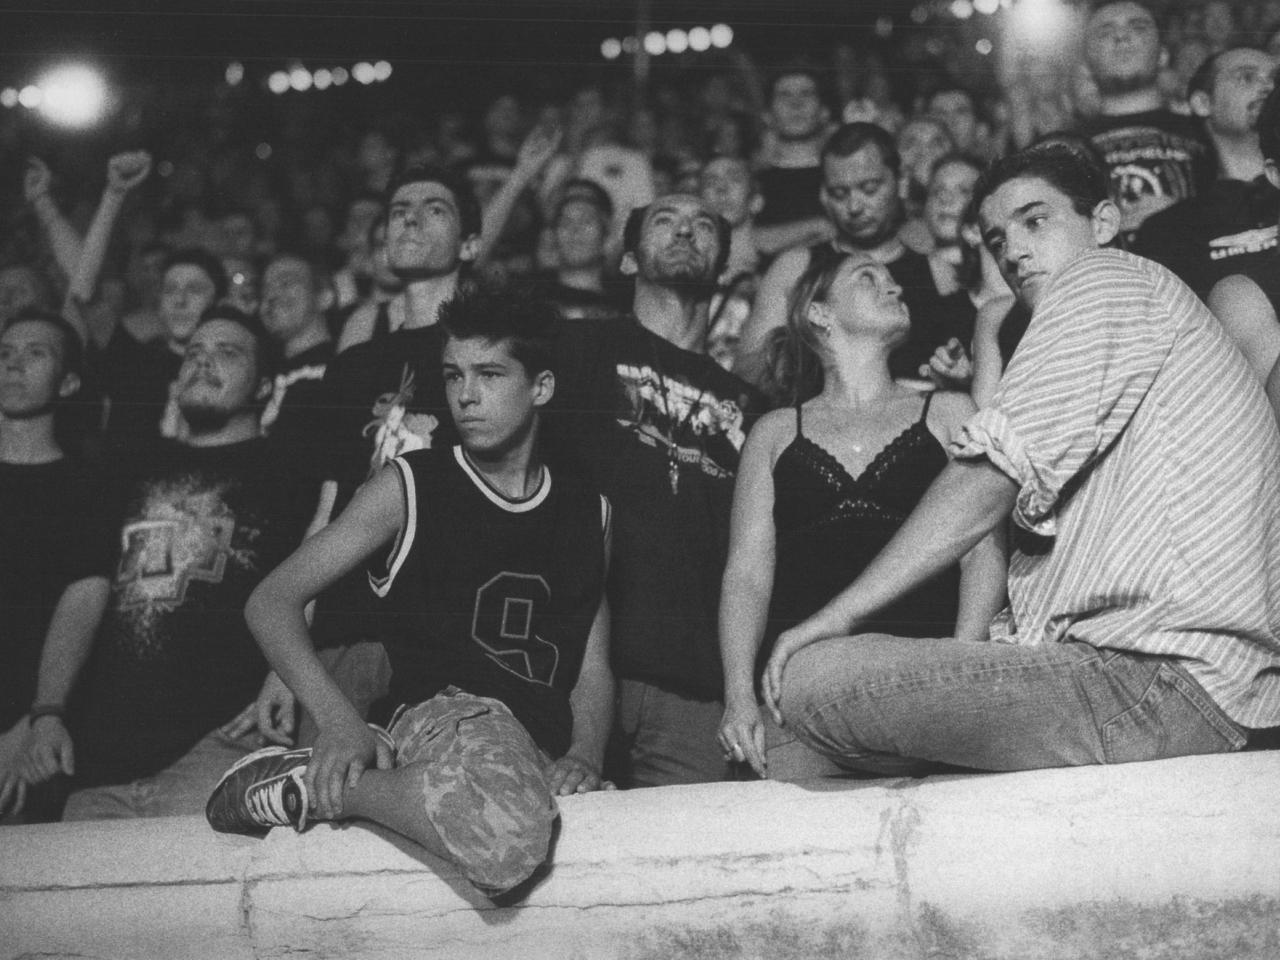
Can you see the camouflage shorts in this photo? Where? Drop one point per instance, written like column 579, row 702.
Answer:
column 485, row 788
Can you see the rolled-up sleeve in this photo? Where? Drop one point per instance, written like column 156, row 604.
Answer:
column 1089, row 358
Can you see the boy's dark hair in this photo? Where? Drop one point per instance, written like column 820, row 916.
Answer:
column 1206, row 75
column 497, row 312
column 1063, row 166
column 460, row 187
column 320, row 279
column 1144, row 4
column 72, row 349
column 852, row 137
column 201, row 260
column 634, row 228
column 265, row 347
column 1268, row 126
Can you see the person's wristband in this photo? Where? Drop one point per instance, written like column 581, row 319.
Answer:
column 45, row 710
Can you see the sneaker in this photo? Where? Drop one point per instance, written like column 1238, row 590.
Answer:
column 261, row 791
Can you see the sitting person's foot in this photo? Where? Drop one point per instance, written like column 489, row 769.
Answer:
column 261, row 791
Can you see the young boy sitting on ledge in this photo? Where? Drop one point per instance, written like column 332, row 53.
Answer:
column 505, row 683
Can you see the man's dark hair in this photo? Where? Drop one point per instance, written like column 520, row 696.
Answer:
column 320, row 279
column 1063, row 166
column 586, row 191
column 800, row 69
column 72, row 349
column 1268, row 126
column 1144, row 4
column 460, row 187
column 201, row 260
column 633, row 229
column 496, row 313
column 264, row 346
column 1206, row 75
column 853, row 137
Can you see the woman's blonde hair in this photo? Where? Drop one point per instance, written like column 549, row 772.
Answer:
column 795, row 351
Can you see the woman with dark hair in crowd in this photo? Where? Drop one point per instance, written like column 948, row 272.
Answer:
column 824, row 485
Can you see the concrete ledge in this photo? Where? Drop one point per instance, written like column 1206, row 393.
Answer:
column 1174, row 859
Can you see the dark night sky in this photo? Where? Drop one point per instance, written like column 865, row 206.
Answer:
column 156, row 37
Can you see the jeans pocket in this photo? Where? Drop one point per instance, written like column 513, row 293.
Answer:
column 1173, row 718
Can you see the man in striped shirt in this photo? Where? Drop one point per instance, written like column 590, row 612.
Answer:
column 1137, row 456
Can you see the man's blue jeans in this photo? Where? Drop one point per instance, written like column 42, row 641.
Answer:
column 894, row 706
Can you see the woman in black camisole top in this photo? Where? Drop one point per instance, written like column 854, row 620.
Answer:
column 824, row 485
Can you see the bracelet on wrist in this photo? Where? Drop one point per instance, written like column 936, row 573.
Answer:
column 45, row 710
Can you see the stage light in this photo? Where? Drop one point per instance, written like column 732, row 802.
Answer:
column 884, row 27
column 630, row 44
column 8, row 97
column 31, row 96
column 699, row 39
column 961, row 9
column 300, row 79
column 278, row 82
column 262, row 151
column 677, row 41
column 919, row 14
column 721, row 35
column 340, row 76
column 611, row 49
column 363, row 72
column 74, row 95
column 235, row 73
column 655, row 44
column 1040, row 23
column 986, row 7
column 382, row 71
column 984, row 47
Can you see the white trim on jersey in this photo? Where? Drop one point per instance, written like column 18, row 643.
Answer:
column 404, row 542
column 496, row 498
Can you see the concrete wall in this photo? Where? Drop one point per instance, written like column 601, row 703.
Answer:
column 1175, row 859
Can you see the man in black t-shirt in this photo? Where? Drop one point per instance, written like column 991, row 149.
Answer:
column 660, row 425
column 1156, row 157
column 1233, row 222
column 53, row 562
column 161, row 707
column 860, row 170
column 136, row 376
column 295, row 296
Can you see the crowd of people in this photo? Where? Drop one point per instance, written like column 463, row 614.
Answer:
column 618, row 447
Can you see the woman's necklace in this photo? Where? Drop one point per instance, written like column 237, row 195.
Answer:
column 674, row 428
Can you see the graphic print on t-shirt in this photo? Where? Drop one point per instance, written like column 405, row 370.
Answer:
column 506, row 609
column 665, row 412
column 183, row 533
column 394, row 430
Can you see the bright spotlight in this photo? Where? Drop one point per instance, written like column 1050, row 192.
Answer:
column 235, row 73
column 655, row 44
column 74, row 95
column 611, row 49
column 340, row 76
column 677, row 41
column 300, row 79
column 986, row 7
column 1040, row 23
column 322, row 78
column 984, row 47
column 382, row 71
column 721, row 35
column 8, row 97
column 278, row 82
column 699, row 39
column 363, row 72
column 961, row 9
column 31, row 96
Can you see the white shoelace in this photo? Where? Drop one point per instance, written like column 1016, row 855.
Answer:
column 266, row 801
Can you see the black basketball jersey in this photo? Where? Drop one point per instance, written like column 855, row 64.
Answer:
column 506, row 589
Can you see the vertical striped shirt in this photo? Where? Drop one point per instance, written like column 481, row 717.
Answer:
column 1148, row 465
